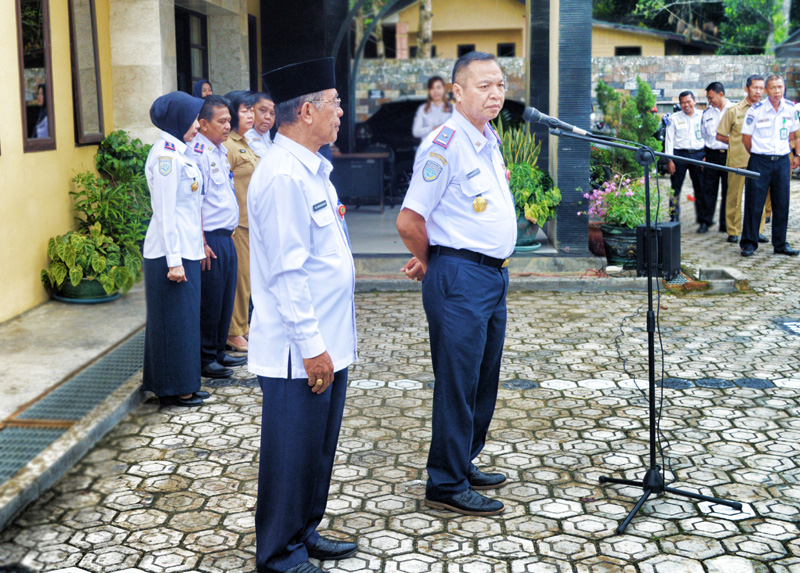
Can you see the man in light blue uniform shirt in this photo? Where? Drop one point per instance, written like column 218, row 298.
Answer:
column 220, row 219
column 263, row 119
column 459, row 223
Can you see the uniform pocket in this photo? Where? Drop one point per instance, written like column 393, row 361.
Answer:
column 190, row 179
column 324, row 233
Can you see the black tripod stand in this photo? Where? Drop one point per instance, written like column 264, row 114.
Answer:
column 653, row 481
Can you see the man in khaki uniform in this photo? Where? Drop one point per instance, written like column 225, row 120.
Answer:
column 729, row 131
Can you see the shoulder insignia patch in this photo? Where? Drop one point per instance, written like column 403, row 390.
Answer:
column 199, row 147
column 165, row 165
column 438, row 157
column 168, row 145
column 445, row 137
column 757, row 105
column 748, row 119
column 431, row 170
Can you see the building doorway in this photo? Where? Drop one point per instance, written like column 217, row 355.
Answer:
column 191, row 43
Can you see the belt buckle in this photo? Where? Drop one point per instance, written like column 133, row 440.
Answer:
column 233, row 232
column 505, row 263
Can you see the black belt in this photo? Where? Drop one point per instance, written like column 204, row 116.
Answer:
column 711, row 149
column 225, row 232
column 770, row 157
column 470, row 256
column 688, row 150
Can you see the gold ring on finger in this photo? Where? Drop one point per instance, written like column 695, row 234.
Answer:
column 319, row 382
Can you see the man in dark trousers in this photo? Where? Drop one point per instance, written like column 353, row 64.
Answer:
column 684, row 139
column 716, row 153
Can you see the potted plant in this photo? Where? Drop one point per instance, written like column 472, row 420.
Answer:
column 619, row 204
column 88, row 266
column 535, row 195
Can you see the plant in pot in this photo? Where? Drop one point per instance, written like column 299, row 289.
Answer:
column 619, row 204
column 535, row 195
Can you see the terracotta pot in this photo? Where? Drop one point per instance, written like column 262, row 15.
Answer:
column 596, row 239
column 620, row 245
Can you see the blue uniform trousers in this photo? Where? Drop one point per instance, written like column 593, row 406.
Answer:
column 465, row 303
column 775, row 173
column 677, row 178
column 172, row 337
column 299, row 433
column 219, row 292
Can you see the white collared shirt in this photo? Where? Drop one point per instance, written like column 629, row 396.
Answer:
column 425, row 122
column 176, row 185
column 684, row 132
column 257, row 142
column 302, row 275
column 710, row 120
column 771, row 130
column 448, row 180
column 220, row 208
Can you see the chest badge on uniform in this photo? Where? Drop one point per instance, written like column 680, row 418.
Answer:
column 479, row 204
column 165, row 165
column 194, row 186
column 431, row 170
column 342, row 210
column 242, row 150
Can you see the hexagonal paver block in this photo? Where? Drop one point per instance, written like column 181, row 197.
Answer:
column 110, row 559
column 567, row 547
column 603, row 564
column 390, row 504
column 692, row 546
column 210, row 540
column 140, row 519
column 170, row 560
column 52, row 556
column 670, row 564
column 416, row 523
column 445, row 546
column 555, row 508
column 628, row 547
column 752, row 547
column 539, row 565
column 730, row 564
column 476, row 564
column 386, row 543
column 153, row 539
column 709, row 527
column 505, row 546
column 414, row 563
column 230, row 560
column 591, row 526
column 358, row 523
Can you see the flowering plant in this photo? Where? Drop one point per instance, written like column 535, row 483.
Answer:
column 620, row 201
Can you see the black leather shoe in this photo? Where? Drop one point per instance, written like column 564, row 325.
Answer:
column 467, row 503
column 733, row 238
column 480, row 481
column 786, row 250
column 216, row 370
column 192, row 402
column 202, row 394
column 230, row 361
column 762, row 239
column 327, row 548
column 748, row 252
column 702, row 229
column 304, row 567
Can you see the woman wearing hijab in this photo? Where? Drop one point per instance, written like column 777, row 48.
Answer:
column 42, row 129
column 173, row 249
column 243, row 160
column 202, row 88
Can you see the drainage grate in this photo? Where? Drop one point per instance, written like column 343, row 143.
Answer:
column 714, row 383
column 678, row 280
column 756, row 383
column 519, row 384
column 82, row 393
column 21, row 445
column 675, row 383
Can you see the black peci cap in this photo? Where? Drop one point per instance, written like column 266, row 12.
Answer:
column 299, row 79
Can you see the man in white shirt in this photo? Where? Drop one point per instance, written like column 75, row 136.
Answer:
column 684, row 138
column 769, row 127
column 263, row 119
column 303, row 330
column 716, row 153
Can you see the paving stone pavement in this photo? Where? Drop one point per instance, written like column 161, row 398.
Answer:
column 172, row 490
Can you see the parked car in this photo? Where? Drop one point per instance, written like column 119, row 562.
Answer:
column 390, row 128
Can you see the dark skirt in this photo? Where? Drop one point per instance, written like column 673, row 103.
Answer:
column 172, row 336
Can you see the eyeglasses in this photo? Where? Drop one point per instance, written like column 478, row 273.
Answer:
column 336, row 102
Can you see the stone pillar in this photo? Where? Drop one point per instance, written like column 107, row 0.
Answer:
column 143, row 61
column 228, row 63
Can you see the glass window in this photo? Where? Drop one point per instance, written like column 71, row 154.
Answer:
column 88, row 99
column 191, row 44
column 33, row 39
column 465, row 49
column 508, row 50
column 628, row 51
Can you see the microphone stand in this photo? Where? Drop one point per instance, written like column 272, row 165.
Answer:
column 653, row 481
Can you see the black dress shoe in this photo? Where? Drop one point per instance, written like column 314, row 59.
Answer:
column 304, row 567
column 327, row 548
column 786, row 250
column 467, row 503
column 480, row 481
column 702, row 229
column 762, row 239
column 230, row 361
column 733, row 238
column 194, row 401
column 748, row 252
column 216, row 370
column 202, row 394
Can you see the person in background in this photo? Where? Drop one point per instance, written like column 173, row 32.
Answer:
column 243, row 162
column 684, row 139
column 42, row 128
column 173, row 249
column 202, row 88
column 220, row 219
column 263, row 119
column 716, row 153
column 433, row 113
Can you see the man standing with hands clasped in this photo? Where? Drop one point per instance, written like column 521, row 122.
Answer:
column 716, row 153
column 684, row 138
column 459, row 223
column 303, row 331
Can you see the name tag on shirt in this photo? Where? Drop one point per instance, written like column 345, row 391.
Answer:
column 474, row 173
column 320, row 205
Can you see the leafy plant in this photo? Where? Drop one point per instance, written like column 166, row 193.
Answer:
column 535, row 195
column 518, row 144
column 121, row 160
column 621, row 202
column 113, row 206
column 90, row 254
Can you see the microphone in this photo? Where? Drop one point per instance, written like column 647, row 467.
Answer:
column 534, row 115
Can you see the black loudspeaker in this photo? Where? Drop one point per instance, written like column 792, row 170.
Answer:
column 665, row 250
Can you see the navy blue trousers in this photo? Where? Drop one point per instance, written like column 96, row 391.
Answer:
column 677, row 178
column 172, row 337
column 219, row 292
column 706, row 201
column 465, row 303
column 775, row 173
column 299, row 433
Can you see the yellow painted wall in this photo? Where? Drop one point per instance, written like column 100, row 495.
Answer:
column 485, row 41
column 460, row 15
column 604, row 41
column 34, row 186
